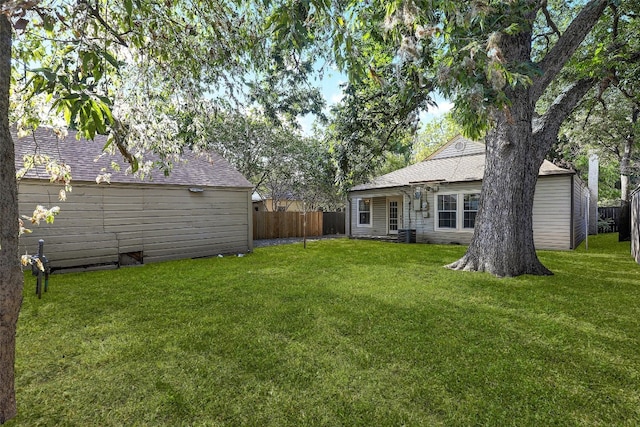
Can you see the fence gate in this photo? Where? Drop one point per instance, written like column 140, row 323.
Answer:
column 332, row 223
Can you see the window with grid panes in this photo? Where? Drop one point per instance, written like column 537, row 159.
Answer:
column 447, row 210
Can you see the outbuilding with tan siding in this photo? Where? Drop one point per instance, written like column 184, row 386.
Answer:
column 202, row 208
column 437, row 200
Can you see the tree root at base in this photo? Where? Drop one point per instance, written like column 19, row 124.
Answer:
column 471, row 263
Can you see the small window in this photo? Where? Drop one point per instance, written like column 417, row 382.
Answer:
column 447, row 210
column 364, row 212
column 470, row 209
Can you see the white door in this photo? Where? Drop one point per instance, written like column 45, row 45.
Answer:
column 394, row 213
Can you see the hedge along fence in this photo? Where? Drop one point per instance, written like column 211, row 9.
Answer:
column 278, row 225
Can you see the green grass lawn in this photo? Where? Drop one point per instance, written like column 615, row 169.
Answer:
column 344, row 333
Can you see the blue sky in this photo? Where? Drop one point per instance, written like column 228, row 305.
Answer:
column 332, row 92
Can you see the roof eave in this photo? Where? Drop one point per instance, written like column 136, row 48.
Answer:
column 561, row 172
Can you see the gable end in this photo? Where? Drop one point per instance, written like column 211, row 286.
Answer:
column 457, row 147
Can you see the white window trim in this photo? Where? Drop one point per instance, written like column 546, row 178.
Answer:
column 358, row 224
column 436, row 218
column 462, row 209
column 459, row 212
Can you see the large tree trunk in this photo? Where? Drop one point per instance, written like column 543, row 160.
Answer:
column 11, row 279
column 502, row 242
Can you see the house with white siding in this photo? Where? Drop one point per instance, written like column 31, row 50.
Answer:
column 437, row 200
column 202, row 208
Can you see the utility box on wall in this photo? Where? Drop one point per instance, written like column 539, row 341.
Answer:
column 420, row 201
column 417, row 198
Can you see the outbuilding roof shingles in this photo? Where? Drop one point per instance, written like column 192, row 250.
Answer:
column 80, row 155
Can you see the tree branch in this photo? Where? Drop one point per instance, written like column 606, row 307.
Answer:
column 567, row 44
column 550, row 22
column 627, row 94
column 96, row 14
column 616, row 21
column 546, row 127
column 613, row 150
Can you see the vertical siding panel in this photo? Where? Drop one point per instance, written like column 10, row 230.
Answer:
column 99, row 222
column 78, row 231
column 379, row 215
column 354, row 230
column 200, row 224
column 249, row 235
column 580, row 211
column 552, row 226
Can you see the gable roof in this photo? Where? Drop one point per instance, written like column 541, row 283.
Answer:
column 456, row 147
column 459, row 160
column 81, row 155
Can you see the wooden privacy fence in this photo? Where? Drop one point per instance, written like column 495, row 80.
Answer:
column 609, row 219
column 278, row 225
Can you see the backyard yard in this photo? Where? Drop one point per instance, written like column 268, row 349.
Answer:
column 344, row 333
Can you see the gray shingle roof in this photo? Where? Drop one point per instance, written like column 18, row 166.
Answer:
column 465, row 167
column 80, row 155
